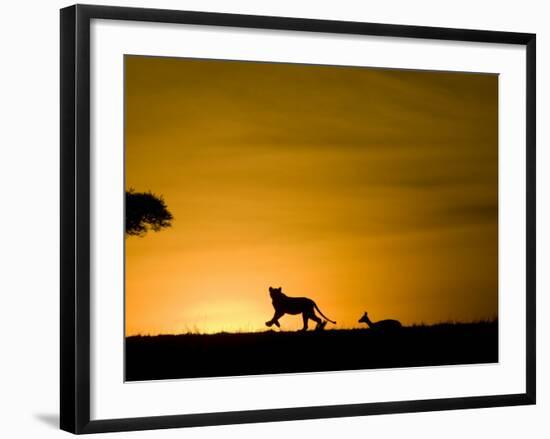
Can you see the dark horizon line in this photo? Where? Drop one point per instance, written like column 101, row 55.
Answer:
column 290, row 331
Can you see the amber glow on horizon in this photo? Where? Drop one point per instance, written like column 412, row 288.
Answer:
column 364, row 189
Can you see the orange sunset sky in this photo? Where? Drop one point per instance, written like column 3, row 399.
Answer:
column 362, row 188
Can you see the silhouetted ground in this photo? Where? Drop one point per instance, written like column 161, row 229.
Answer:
column 202, row 355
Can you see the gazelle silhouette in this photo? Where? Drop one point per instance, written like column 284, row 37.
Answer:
column 382, row 325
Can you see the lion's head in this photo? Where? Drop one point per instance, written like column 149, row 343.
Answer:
column 276, row 293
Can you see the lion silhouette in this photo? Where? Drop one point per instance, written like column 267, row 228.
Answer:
column 295, row 305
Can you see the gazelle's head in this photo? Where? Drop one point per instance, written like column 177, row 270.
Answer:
column 365, row 318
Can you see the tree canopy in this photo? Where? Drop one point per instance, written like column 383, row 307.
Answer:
column 145, row 211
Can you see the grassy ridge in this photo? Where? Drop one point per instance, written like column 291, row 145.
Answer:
column 225, row 354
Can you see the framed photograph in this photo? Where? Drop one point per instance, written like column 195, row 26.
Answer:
column 274, row 218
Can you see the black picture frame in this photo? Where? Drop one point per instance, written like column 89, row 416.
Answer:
column 75, row 217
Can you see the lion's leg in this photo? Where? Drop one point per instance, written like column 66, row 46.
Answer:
column 305, row 318
column 275, row 319
column 320, row 323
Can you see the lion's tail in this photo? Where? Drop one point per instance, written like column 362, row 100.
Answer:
column 321, row 312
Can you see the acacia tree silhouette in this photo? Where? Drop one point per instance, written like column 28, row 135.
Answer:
column 145, row 211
